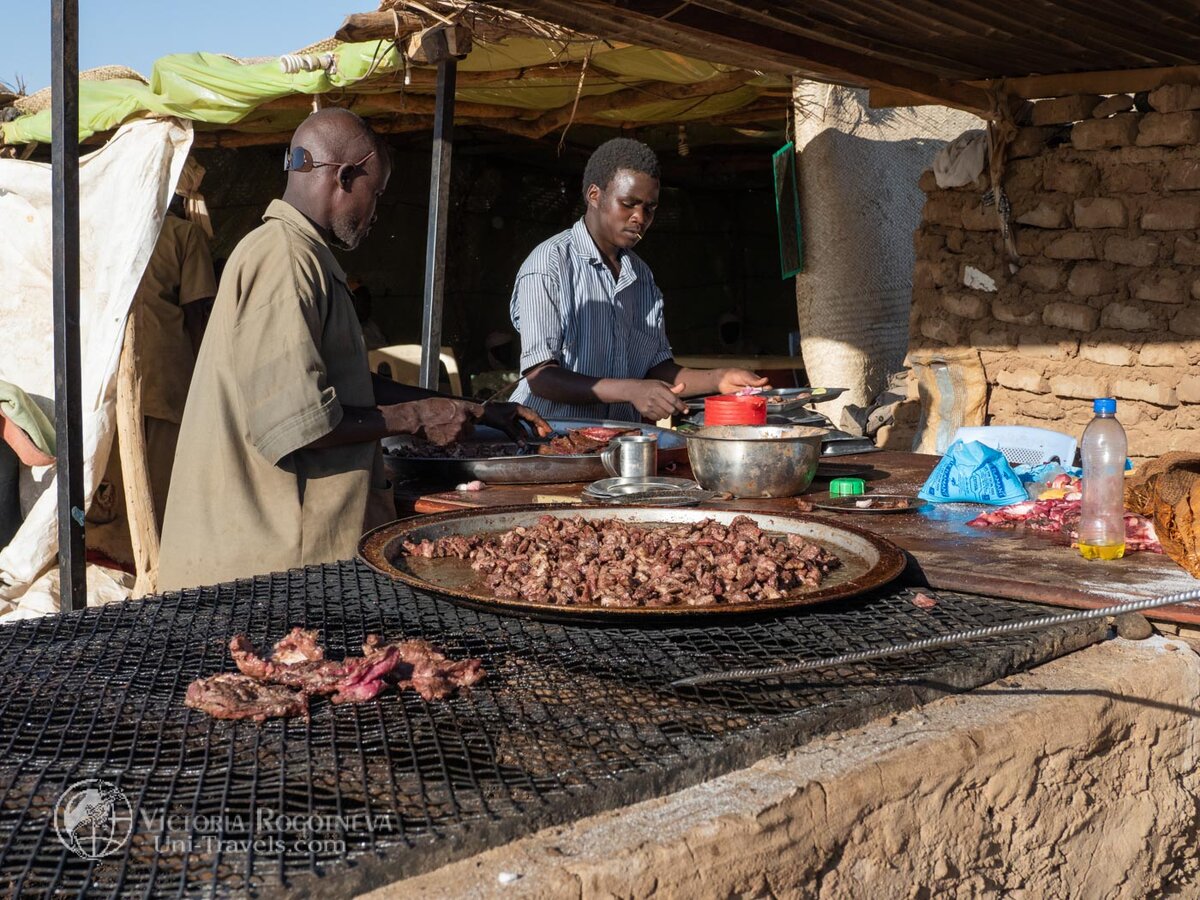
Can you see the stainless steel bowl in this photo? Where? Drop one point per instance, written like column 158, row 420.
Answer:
column 755, row 460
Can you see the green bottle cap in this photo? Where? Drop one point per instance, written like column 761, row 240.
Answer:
column 847, row 487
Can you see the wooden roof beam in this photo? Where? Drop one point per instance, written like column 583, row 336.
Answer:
column 1124, row 81
column 1035, row 87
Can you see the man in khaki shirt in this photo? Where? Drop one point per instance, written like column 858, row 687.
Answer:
column 169, row 309
column 279, row 449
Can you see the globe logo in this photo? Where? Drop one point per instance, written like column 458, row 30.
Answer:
column 93, row 819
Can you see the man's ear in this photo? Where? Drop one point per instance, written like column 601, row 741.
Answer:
column 593, row 195
column 345, row 176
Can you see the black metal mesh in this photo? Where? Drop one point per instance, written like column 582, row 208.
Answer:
column 570, row 721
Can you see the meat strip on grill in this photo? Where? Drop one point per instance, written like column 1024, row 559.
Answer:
column 233, row 696
column 352, row 680
column 299, row 645
column 426, row 670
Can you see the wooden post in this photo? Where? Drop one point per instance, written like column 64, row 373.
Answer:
column 135, row 471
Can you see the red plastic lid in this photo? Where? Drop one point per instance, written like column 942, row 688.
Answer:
column 731, row 409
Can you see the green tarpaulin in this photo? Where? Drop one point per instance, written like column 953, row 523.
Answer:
column 221, row 92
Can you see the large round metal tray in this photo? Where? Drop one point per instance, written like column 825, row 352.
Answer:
column 868, row 561
column 530, row 468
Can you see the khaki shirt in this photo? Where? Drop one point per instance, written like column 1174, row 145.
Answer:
column 282, row 353
column 180, row 271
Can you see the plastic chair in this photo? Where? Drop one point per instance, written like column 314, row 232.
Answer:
column 403, row 362
column 1022, row 445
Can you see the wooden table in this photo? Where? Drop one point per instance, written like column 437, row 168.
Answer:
column 943, row 551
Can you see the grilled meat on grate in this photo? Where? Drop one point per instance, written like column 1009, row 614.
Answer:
column 425, row 670
column 229, row 695
column 269, row 686
column 611, row 563
column 298, row 646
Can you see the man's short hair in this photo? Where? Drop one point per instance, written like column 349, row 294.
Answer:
column 614, row 155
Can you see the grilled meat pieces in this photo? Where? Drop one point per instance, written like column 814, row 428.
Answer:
column 270, row 686
column 298, row 646
column 591, row 439
column 425, row 670
column 611, row 563
column 232, row 696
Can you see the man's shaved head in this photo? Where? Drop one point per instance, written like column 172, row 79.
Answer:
column 334, row 133
column 340, row 192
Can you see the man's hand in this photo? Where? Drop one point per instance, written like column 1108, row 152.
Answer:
column 509, row 418
column 656, row 399
column 439, row 419
column 730, row 381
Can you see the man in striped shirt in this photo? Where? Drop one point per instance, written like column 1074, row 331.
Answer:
column 593, row 342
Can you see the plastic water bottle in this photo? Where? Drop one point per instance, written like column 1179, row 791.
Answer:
column 1102, row 525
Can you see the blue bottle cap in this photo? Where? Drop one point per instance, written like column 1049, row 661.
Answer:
column 1104, row 405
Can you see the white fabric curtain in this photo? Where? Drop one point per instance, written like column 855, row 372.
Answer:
column 124, row 190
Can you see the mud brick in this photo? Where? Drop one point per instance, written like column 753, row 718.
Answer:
column 1073, row 245
column 1132, row 389
column 1060, row 110
column 1175, row 98
column 1172, row 214
column 1099, row 212
column 1127, row 317
column 1090, row 279
column 1097, row 134
column 1072, row 316
column 1174, row 129
column 1142, row 251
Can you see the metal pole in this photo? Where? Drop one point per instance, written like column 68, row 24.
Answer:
column 68, row 422
column 435, row 237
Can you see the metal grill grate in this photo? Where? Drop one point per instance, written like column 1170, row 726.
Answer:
column 571, row 720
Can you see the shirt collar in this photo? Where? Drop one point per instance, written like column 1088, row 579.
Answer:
column 297, row 221
column 583, row 246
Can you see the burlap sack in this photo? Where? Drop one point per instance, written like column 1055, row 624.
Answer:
column 1168, row 490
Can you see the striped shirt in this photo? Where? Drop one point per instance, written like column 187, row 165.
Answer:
column 567, row 306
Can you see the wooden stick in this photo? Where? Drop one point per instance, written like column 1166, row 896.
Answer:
column 135, row 471
column 379, row 26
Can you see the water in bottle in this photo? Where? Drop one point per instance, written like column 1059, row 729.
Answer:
column 1102, row 525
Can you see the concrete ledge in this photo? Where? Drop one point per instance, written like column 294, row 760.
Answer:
column 1077, row 779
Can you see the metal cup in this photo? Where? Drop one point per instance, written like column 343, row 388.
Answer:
column 631, row 456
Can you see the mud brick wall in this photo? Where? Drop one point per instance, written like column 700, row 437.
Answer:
column 1106, row 298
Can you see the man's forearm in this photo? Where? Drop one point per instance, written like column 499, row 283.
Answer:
column 359, row 425
column 564, row 386
column 695, row 381
column 388, row 391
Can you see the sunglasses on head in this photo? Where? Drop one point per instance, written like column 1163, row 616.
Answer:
column 297, row 159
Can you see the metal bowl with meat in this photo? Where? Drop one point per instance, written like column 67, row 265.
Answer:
column 571, row 455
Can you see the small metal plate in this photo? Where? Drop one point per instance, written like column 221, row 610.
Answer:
column 619, row 487
column 904, row 503
column 868, row 561
column 787, row 399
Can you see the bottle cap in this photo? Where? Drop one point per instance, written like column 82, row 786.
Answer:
column 847, row 487
column 1104, row 405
